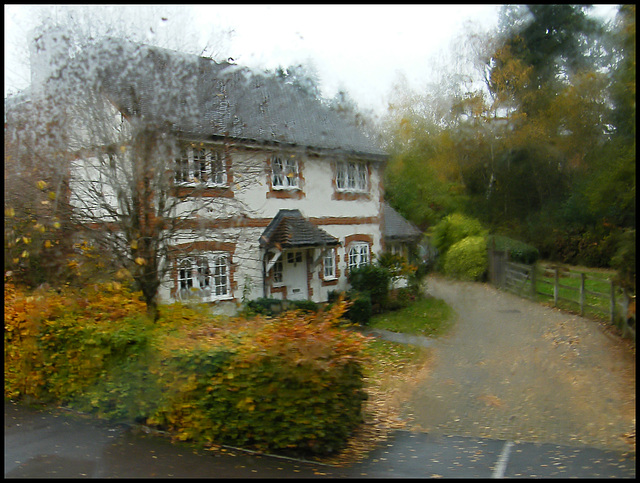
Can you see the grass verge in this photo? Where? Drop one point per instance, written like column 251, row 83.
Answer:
column 427, row 317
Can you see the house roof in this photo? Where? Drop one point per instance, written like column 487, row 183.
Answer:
column 203, row 99
column 397, row 228
column 289, row 229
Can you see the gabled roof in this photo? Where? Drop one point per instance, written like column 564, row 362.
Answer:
column 202, row 99
column 397, row 228
column 289, row 229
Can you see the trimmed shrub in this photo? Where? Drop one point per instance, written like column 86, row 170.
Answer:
column 360, row 307
column 273, row 307
column 308, row 306
column 293, row 383
column 519, row 252
column 454, row 228
column 57, row 345
column 288, row 383
column 467, row 259
column 372, row 279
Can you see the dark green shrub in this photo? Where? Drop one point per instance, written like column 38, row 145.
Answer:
column 467, row 259
column 519, row 252
column 273, row 307
column 624, row 261
column 308, row 306
column 372, row 279
column 265, row 306
column 360, row 309
column 359, row 304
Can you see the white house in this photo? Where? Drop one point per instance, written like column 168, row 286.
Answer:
column 294, row 195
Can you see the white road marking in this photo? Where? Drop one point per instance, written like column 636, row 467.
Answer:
column 501, row 466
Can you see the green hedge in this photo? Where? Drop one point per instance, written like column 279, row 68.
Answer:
column 519, row 252
column 467, row 259
column 372, row 279
column 454, row 228
column 288, row 383
column 273, row 307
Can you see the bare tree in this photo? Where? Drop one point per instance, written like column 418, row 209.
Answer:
column 120, row 117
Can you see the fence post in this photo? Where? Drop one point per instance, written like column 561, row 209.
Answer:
column 555, row 287
column 582, row 294
column 533, row 281
column 613, row 303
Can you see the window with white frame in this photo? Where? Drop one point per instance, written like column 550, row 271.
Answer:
column 202, row 165
column 277, row 272
column 204, row 276
column 329, row 263
column 352, row 176
column 284, row 173
column 358, row 255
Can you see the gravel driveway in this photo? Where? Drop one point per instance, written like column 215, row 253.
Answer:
column 515, row 370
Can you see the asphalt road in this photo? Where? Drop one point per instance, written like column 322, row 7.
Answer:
column 57, row 444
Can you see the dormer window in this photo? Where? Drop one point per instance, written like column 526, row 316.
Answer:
column 284, row 173
column 352, row 176
column 201, row 165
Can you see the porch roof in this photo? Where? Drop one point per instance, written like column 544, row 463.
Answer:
column 289, row 229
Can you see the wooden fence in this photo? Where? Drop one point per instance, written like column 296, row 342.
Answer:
column 565, row 288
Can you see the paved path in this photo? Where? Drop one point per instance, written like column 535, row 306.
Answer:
column 517, row 371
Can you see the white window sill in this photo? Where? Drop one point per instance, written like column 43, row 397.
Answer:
column 286, row 188
column 186, row 184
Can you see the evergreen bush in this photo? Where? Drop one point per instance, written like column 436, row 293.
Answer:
column 519, row 252
column 467, row 259
column 451, row 230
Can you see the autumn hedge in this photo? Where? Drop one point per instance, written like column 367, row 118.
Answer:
column 292, row 382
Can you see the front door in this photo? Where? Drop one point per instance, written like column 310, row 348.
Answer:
column 294, row 274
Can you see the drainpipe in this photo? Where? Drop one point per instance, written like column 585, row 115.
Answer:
column 264, row 274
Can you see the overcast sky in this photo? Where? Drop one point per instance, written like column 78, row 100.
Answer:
column 359, row 48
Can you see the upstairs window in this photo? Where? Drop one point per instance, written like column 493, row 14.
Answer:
column 201, row 165
column 352, row 176
column 284, row 173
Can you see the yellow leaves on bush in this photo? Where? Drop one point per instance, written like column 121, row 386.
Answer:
column 66, row 338
column 42, row 185
column 140, row 261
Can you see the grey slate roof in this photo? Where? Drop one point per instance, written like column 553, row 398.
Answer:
column 397, row 228
column 202, row 99
column 289, row 229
